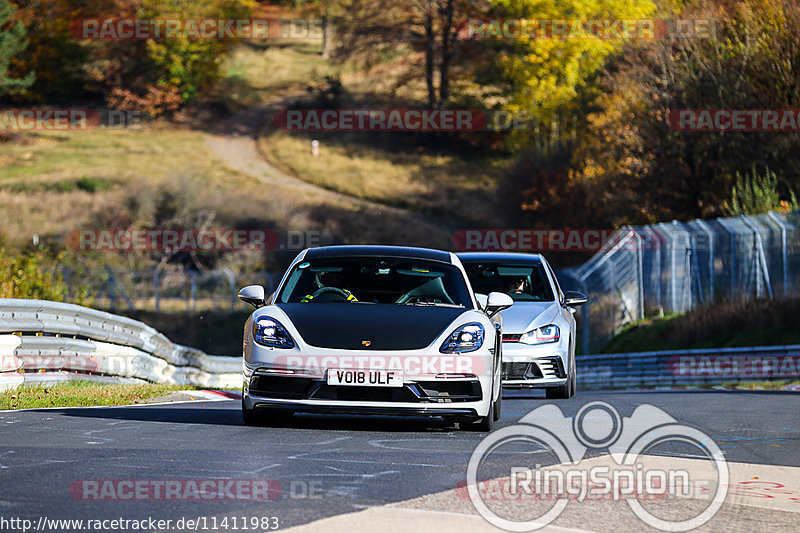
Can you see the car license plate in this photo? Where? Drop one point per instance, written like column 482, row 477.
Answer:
column 365, row 378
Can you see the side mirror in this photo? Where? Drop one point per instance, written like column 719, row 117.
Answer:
column 253, row 295
column 496, row 302
column 574, row 298
column 482, row 299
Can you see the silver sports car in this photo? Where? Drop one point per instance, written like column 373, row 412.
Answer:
column 539, row 330
column 373, row 330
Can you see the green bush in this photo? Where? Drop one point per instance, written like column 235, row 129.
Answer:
column 23, row 276
column 753, row 194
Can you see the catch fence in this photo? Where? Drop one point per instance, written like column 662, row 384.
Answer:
column 677, row 266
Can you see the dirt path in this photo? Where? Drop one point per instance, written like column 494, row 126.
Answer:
column 234, row 141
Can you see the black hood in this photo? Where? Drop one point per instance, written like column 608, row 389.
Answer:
column 346, row 326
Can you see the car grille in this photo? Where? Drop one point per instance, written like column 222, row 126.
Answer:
column 294, row 388
column 363, row 394
column 512, row 337
column 541, row 368
column 281, row 387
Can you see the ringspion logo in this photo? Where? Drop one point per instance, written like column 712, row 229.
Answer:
column 623, row 477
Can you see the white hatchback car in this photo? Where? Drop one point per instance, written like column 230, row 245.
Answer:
column 539, row 330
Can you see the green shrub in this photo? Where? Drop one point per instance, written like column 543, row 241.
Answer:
column 22, row 275
column 753, row 194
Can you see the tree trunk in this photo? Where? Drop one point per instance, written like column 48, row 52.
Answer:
column 430, row 54
column 327, row 37
column 447, row 52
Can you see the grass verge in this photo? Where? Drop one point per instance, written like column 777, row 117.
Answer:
column 721, row 325
column 377, row 167
column 83, row 394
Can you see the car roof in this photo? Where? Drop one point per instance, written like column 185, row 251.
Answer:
column 499, row 257
column 378, row 251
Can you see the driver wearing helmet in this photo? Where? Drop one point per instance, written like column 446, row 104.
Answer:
column 330, row 280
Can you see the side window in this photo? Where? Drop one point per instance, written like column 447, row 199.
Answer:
column 555, row 282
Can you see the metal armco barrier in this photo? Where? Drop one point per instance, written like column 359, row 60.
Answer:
column 713, row 366
column 61, row 341
column 43, row 342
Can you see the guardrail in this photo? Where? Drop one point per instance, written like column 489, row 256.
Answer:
column 43, row 341
column 713, row 366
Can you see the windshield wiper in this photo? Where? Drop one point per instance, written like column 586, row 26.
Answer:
column 433, row 304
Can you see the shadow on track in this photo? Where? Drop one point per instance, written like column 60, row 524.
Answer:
column 697, row 392
column 231, row 416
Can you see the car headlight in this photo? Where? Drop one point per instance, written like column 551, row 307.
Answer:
column 542, row 335
column 269, row 332
column 467, row 338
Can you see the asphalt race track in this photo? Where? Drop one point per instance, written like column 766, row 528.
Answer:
column 328, row 466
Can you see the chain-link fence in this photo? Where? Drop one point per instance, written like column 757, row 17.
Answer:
column 170, row 289
column 674, row 267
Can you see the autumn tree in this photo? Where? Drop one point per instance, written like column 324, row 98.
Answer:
column 12, row 42
column 427, row 31
column 547, row 76
column 631, row 166
column 656, row 172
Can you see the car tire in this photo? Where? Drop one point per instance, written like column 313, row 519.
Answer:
column 483, row 423
column 567, row 390
column 250, row 417
column 574, row 383
column 262, row 417
column 498, row 406
column 562, row 392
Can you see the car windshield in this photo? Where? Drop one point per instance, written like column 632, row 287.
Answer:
column 376, row 280
column 523, row 282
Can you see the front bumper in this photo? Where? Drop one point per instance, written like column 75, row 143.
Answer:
column 527, row 366
column 293, row 407
column 457, row 397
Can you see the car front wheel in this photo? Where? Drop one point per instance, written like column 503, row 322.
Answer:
column 484, row 423
column 249, row 416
